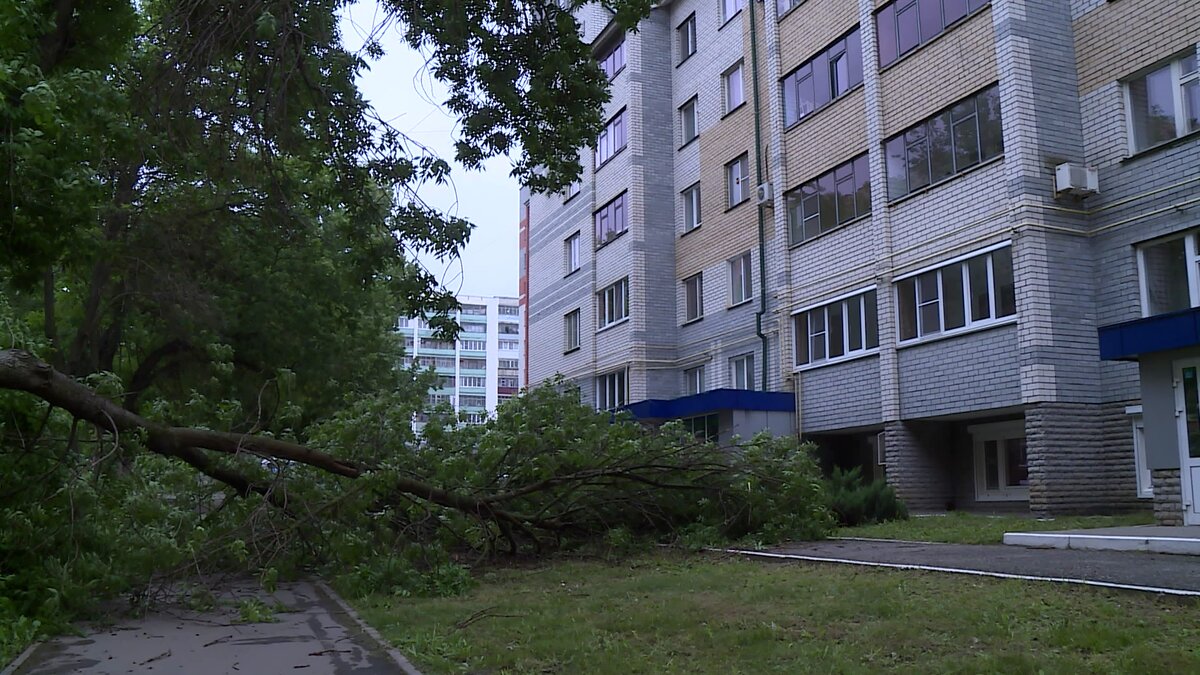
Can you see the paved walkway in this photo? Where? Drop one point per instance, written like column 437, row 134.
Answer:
column 1137, row 571
column 1150, row 538
column 315, row 633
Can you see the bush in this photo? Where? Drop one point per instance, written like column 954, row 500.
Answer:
column 856, row 502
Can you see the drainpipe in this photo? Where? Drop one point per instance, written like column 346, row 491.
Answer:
column 758, row 169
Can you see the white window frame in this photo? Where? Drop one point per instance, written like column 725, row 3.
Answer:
column 688, row 116
column 687, row 38
column 613, row 304
column 848, row 354
column 1179, row 80
column 612, row 389
column 741, row 371
column 727, row 89
column 691, row 208
column 571, row 252
column 998, row 432
column 693, row 296
column 1191, row 256
column 509, row 364
column 472, row 381
column 1145, row 483
column 736, row 179
column 571, row 330
column 730, row 9
column 693, row 380
column 970, row 324
column 741, row 279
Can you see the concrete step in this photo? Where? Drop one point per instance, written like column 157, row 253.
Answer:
column 1097, row 540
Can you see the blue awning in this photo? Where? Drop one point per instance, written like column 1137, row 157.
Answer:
column 712, row 401
column 1160, row 333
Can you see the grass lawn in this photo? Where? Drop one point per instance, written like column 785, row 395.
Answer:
column 674, row 613
column 957, row 527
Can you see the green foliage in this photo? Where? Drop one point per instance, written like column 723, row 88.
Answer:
column 857, row 502
column 254, row 610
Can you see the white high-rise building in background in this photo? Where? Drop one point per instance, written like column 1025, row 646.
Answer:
column 479, row 370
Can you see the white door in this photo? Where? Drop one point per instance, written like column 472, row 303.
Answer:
column 1187, row 411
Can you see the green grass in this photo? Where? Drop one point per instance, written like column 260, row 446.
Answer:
column 672, row 613
column 968, row 528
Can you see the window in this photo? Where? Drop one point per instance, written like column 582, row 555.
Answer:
column 509, row 329
column 472, row 381
column 704, row 427
column 741, row 371
column 436, row 362
column 1001, row 463
column 729, row 8
column 687, row 38
column 474, row 310
column 741, row 279
column 409, row 342
column 1169, row 270
column 612, row 60
column 507, row 382
column 967, row 133
column 693, row 380
column 693, row 298
column 613, row 303
column 571, row 331
column 961, row 295
column 509, row 364
column 509, row 345
column 403, row 322
column 474, row 418
column 612, row 219
column 509, row 310
column 785, row 5
column 571, row 253
column 445, row 382
column 737, row 179
column 835, row 198
column 439, row 399
column 688, row 125
column 572, row 190
column 691, row 208
column 823, row 78
column 472, row 401
column 732, row 84
column 472, row 364
column 904, row 24
column 612, row 139
column 1164, row 104
column 611, row 390
column 471, row 327
column 838, row 329
column 430, row 343
column 473, row 345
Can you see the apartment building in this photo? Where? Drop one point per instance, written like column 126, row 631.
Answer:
column 480, row 369
column 972, row 219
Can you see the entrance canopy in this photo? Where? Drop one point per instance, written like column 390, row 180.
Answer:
column 716, row 400
column 1162, row 332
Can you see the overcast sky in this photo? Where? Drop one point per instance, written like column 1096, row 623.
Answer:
column 407, row 96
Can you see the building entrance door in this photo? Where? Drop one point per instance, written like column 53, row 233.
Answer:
column 1187, row 412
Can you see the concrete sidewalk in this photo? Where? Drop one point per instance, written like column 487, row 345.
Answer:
column 314, row 633
column 1148, row 538
column 1159, row 573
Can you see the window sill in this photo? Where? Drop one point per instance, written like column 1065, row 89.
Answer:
column 684, row 59
column 571, row 351
column 612, row 325
column 727, row 20
column 611, row 239
column 733, row 110
column 788, row 11
column 946, row 335
column 689, row 322
column 690, row 141
column 572, row 273
column 841, row 226
column 874, row 351
column 611, row 157
column 734, row 206
column 687, row 232
column 739, row 304
column 1174, row 142
column 945, row 31
column 825, row 106
column 570, row 199
column 920, row 191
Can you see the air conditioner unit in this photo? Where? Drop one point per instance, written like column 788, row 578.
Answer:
column 766, row 195
column 1076, row 180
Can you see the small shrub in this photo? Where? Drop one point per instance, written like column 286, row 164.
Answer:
column 856, row 502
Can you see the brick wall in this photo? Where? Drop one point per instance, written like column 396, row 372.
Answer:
column 1168, row 497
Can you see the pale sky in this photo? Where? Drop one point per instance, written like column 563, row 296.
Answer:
column 411, row 100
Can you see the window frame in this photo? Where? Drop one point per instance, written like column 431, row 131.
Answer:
column 839, row 47
column 693, row 286
column 1191, row 258
column 794, row 200
column 619, row 297
column 970, row 324
column 615, row 212
column 742, row 163
column 684, row 116
column 616, row 48
column 848, row 353
column 727, row 90
column 571, row 329
column 616, row 123
column 741, row 279
column 691, row 202
column 686, row 29
column 694, row 380
column 571, row 252
column 1000, row 433
column 972, row 7
column 727, row 5
column 618, row 387
column 746, row 362
column 1179, row 80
